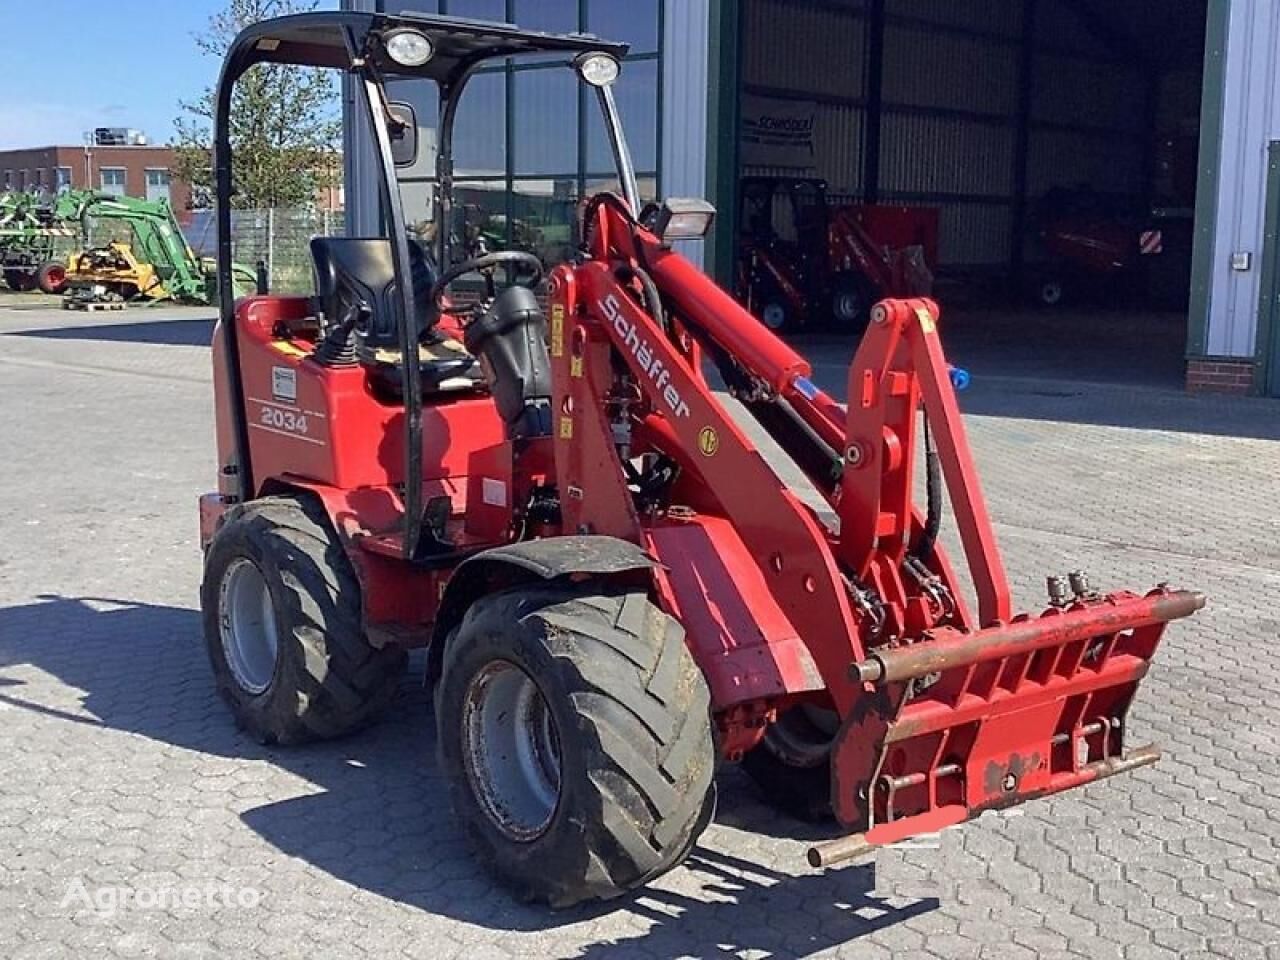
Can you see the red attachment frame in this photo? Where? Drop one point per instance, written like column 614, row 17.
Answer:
column 965, row 722
column 899, row 367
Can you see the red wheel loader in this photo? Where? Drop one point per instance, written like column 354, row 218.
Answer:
column 616, row 592
column 806, row 263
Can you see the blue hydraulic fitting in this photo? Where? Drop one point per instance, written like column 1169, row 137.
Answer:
column 960, row 378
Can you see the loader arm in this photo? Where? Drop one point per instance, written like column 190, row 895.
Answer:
column 160, row 241
column 943, row 714
column 786, row 542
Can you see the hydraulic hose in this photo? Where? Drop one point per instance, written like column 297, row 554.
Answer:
column 815, row 457
column 933, row 495
column 593, row 205
column 652, row 299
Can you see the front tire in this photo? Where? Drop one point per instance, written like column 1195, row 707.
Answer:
column 282, row 626
column 792, row 764
column 575, row 731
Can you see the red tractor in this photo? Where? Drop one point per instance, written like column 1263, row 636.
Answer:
column 616, row 592
column 805, row 263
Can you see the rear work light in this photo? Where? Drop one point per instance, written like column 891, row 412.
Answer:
column 683, row 219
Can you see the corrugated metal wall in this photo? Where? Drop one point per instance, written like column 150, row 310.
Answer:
column 950, row 102
column 685, row 44
column 951, row 98
column 813, row 52
column 1061, row 29
column 1250, row 120
column 819, row 49
column 1088, row 124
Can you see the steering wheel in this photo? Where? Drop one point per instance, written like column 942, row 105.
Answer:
column 486, row 265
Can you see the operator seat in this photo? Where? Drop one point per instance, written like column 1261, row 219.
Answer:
column 355, row 278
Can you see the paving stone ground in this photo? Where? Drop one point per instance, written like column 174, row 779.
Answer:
column 136, row 822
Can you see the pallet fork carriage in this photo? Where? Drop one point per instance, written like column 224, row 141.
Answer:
column 617, row 592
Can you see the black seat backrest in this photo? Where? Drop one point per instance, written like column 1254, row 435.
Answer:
column 351, row 271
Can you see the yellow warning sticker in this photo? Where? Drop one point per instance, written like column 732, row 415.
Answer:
column 289, row 349
column 557, row 330
column 575, row 366
column 708, row 441
column 566, row 428
column 926, row 320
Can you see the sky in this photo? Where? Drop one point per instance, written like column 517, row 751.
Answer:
column 125, row 63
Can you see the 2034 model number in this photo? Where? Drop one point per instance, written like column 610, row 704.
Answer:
column 287, row 420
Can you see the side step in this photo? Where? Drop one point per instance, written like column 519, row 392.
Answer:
column 960, row 723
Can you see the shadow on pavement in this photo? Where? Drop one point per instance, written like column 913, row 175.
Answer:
column 1124, row 347
column 195, row 332
column 1139, row 409
column 381, row 820
column 742, row 909
column 1108, row 381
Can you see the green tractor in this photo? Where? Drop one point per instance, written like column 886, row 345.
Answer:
column 150, row 256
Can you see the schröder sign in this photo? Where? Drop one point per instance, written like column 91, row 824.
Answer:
column 777, row 132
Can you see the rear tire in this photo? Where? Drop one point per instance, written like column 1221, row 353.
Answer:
column 599, row 775
column 851, row 302
column 792, row 764
column 282, row 625
column 776, row 317
column 1051, row 292
column 52, row 278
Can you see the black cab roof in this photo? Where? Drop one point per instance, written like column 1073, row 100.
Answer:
column 338, row 39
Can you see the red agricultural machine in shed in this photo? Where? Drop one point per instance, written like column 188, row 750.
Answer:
column 805, row 262
column 616, row 590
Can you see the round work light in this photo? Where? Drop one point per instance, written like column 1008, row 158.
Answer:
column 597, row 69
column 409, row 48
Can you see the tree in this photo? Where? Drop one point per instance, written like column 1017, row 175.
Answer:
column 286, row 126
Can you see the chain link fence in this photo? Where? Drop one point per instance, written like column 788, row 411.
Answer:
column 277, row 237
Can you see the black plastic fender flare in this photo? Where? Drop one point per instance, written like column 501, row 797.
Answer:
column 530, row 561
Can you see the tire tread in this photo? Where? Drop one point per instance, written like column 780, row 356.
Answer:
column 643, row 719
column 344, row 681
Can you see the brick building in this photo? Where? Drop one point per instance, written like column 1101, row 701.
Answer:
column 135, row 171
